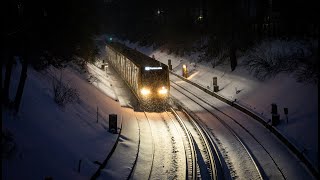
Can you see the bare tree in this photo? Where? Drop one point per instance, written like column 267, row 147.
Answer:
column 9, row 65
column 23, row 77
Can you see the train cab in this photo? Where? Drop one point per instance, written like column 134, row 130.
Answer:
column 155, row 85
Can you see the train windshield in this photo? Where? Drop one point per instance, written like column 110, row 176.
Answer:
column 155, row 77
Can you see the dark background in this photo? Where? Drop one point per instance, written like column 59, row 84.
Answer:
column 64, row 28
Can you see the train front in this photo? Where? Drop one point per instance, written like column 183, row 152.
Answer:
column 155, row 86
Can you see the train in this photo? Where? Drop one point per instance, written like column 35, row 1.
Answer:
column 147, row 77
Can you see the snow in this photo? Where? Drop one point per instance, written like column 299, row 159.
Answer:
column 301, row 99
column 51, row 139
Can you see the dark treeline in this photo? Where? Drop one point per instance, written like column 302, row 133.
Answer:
column 64, row 28
column 216, row 25
column 60, row 28
column 42, row 33
column 240, row 21
column 46, row 31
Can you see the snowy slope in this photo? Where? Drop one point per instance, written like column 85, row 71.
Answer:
column 50, row 139
column 300, row 99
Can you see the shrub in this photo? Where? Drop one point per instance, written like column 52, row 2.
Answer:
column 269, row 58
column 8, row 144
column 63, row 93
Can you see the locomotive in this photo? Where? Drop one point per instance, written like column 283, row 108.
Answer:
column 147, row 78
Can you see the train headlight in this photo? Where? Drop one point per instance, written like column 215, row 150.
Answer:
column 163, row 90
column 145, row 91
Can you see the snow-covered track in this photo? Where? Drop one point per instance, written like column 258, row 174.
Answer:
column 161, row 149
column 103, row 165
column 140, row 169
column 190, row 152
column 205, row 142
column 246, row 155
column 285, row 140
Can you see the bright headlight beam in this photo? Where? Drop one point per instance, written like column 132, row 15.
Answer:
column 145, row 91
column 163, row 90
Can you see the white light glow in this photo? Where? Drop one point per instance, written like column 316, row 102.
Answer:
column 163, row 90
column 145, row 91
column 152, row 68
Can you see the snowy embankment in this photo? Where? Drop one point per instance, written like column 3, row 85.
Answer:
column 51, row 140
column 301, row 99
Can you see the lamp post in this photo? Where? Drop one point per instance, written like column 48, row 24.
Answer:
column 184, row 71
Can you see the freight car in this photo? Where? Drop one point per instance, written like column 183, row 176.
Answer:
column 147, row 78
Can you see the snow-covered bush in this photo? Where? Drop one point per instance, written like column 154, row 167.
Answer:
column 78, row 64
column 45, row 60
column 307, row 73
column 63, row 93
column 269, row 58
column 8, row 144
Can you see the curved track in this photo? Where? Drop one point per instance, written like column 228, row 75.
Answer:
column 201, row 161
column 143, row 166
column 248, row 162
column 190, row 152
column 199, row 139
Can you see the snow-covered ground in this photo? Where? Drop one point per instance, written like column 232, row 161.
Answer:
column 301, row 99
column 50, row 140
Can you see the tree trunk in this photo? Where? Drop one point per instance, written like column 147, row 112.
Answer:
column 233, row 57
column 23, row 77
column 7, row 79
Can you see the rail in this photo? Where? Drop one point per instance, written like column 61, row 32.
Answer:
column 252, row 114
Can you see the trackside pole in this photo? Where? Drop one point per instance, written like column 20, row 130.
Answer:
column 286, row 113
column 169, row 64
column 113, row 123
column 215, row 84
column 79, row 166
column 97, row 114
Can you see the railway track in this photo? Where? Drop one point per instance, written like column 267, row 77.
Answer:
column 189, row 147
column 143, row 166
column 249, row 168
column 199, row 152
column 282, row 143
column 200, row 148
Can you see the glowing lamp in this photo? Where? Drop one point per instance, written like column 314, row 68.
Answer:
column 163, row 90
column 145, row 91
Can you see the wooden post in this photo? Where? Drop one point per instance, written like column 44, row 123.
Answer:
column 215, row 88
column 79, row 166
column 286, row 113
column 113, row 123
column 169, row 64
column 274, row 109
column 215, row 81
column 97, row 114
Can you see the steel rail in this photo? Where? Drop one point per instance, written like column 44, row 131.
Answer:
column 200, row 131
column 153, row 147
column 192, row 146
column 226, row 125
